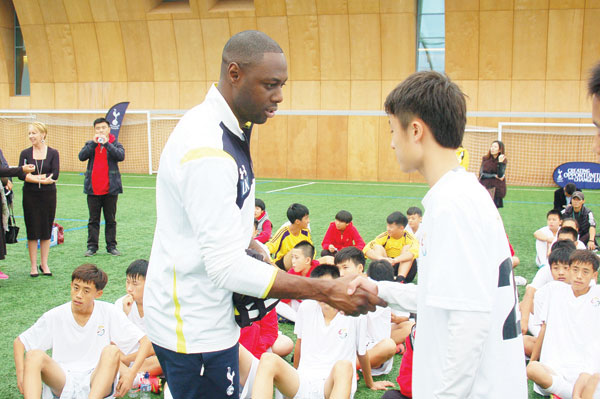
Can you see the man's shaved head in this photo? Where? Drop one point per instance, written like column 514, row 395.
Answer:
column 594, row 82
column 248, row 47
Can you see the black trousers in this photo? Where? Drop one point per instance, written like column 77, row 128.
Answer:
column 108, row 204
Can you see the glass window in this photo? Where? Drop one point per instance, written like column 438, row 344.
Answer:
column 21, row 65
column 431, row 35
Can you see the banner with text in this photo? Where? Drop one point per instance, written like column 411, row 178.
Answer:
column 585, row 175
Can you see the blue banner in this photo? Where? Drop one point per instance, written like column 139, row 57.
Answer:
column 585, row 175
column 115, row 116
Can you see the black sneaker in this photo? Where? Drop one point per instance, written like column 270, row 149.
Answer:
column 114, row 251
column 90, row 252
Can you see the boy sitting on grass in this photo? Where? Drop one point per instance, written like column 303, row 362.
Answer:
column 326, row 349
column 568, row 337
column 381, row 347
column 132, row 304
column 571, row 224
column 545, row 236
column 397, row 246
column 289, row 235
column 341, row 234
column 86, row 337
column 415, row 217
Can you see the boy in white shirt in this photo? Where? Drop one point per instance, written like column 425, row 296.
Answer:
column 320, row 373
column 571, row 317
column 132, row 305
column 350, row 261
column 86, row 337
column 415, row 217
column 545, row 236
column 570, row 228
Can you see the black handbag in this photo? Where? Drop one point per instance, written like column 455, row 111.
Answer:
column 13, row 229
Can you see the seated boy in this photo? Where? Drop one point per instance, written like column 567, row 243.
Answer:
column 545, row 236
column 86, row 337
column 571, row 323
column 325, row 354
column 587, row 225
column 571, row 223
column 288, row 236
column 132, row 305
column 341, row 234
column 381, row 347
column 264, row 227
column 397, row 246
column 415, row 217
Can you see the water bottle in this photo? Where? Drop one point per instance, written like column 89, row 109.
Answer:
column 134, row 392
column 145, row 387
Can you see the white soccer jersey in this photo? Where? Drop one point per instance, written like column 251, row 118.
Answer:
column 204, row 223
column 133, row 316
column 418, row 234
column 541, row 247
column 465, row 272
column 379, row 327
column 78, row 348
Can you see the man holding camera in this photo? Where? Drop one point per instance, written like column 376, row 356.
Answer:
column 102, row 185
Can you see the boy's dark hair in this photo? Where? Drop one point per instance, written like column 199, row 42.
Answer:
column 414, row 210
column 584, row 256
column 553, row 212
column 137, row 268
column 260, row 203
column 568, row 230
column 89, row 273
column 307, row 248
column 436, row 100
column 570, row 188
column 571, row 220
column 560, row 255
column 563, row 244
column 594, row 82
column 343, row 216
column 381, row 270
column 325, row 270
column 397, row 218
column 101, row 120
column 296, row 212
column 350, row 253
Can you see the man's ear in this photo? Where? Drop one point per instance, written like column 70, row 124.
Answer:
column 99, row 293
column 234, row 72
column 416, row 129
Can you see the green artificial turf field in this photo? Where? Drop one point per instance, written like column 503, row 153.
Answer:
column 23, row 299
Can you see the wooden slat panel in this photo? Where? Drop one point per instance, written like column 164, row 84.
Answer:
column 397, row 56
column 38, row 53
column 141, row 95
column 585, row 101
column 462, row 45
column 562, row 96
column 564, row 61
column 112, row 52
column 113, row 93
column 138, row 55
column 131, row 10
column 567, row 4
column 42, row 95
column 497, row 5
column 62, row 53
column 78, row 11
column 103, row 10
column 531, row 5
column 334, row 42
column 530, row 44
column 365, row 46
column 471, row 90
column 191, row 94
column 332, row 7
column 397, row 6
column 269, row 8
column 387, row 167
column 592, row 4
column 461, row 5
column 190, row 53
column 4, row 94
column 332, row 147
column 166, row 95
column 272, row 148
column 495, row 55
column 7, row 59
column 164, row 53
column 301, row 147
column 335, row 94
column 66, row 96
column 365, row 95
column 241, row 24
column 386, row 87
column 216, row 32
column 277, row 29
column 528, row 96
column 305, row 94
column 7, row 15
column 494, row 95
column 303, row 60
column 28, row 12
column 363, row 6
column 53, row 12
column 90, row 95
column 87, row 58
column 18, row 102
column 591, row 45
column 301, row 7
column 363, row 143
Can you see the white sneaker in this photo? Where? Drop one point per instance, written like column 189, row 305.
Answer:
column 520, row 280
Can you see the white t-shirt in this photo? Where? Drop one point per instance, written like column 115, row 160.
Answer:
column 323, row 345
column 541, row 247
column 379, row 327
column 204, row 224
column 78, row 348
column 578, row 244
column 464, row 273
column 134, row 317
column 419, row 232
column 571, row 343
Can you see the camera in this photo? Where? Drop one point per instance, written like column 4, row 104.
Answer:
column 101, row 140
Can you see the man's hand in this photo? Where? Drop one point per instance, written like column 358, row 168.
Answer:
column 125, row 383
column 332, row 248
column 591, row 246
column 20, row 382
column 9, row 185
column 46, row 179
column 381, row 385
column 352, row 300
column 127, row 303
column 100, row 139
column 364, row 283
column 28, row 168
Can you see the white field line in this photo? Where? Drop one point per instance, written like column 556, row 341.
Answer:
column 289, row 188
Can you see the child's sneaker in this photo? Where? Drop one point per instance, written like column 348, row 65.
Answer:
column 520, row 280
column 3, row 276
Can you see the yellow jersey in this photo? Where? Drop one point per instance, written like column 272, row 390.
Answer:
column 463, row 157
column 393, row 246
column 284, row 241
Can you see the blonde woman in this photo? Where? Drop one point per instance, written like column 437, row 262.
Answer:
column 39, row 195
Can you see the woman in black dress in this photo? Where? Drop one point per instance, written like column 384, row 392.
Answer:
column 492, row 173
column 39, row 195
column 5, row 173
